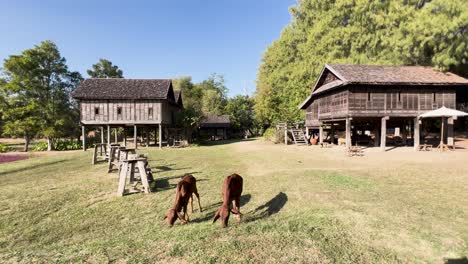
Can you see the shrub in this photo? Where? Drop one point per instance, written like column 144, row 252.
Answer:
column 4, row 148
column 40, row 146
column 60, row 145
column 274, row 135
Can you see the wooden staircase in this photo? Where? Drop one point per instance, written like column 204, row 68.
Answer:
column 298, row 136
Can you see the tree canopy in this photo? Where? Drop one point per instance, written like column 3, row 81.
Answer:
column 105, row 69
column 413, row 32
column 36, row 87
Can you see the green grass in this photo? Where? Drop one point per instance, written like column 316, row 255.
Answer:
column 301, row 205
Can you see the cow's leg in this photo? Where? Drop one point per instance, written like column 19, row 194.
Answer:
column 181, row 218
column 236, row 209
column 191, row 203
column 185, row 214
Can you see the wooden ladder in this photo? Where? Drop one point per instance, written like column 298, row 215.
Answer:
column 298, row 137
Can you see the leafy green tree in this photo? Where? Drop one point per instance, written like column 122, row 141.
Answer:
column 214, row 94
column 105, row 69
column 241, row 112
column 191, row 116
column 413, row 32
column 37, row 90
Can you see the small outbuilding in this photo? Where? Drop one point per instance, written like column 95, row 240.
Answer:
column 215, row 127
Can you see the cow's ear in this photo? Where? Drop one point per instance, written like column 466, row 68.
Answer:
column 216, row 216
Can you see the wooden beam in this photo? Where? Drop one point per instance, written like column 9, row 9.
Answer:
column 102, row 135
column 83, row 135
column 321, row 133
column 450, row 137
column 160, row 135
column 383, row 132
column 416, row 134
column 135, row 136
column 108, row 135
column 147, row 136
column 376, row 137
column 348, row 133
column 116, row 139
column 125, row 136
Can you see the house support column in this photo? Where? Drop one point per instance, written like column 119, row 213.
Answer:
column 416, row 134
column 102, row 135
column 383, row 132
column 160, row 135
column 116, row 138
column 348, row 132
column 332, row 132
column 125, row 136
column 108, row 135
column 135, row 136
column 83, row 137
column 321, row 133
column 450, row 136
column 147, row 136
column 376, row 137
column 307, row 133
column 404, row 134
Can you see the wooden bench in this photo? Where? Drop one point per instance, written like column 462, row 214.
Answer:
column 425, row 147
column 132, row 167
column 355, row 151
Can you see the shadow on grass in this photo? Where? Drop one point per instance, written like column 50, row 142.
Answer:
column 209, row 211
column 271, row 207
column 31, row 167
column 224, row 142
column 462, row 260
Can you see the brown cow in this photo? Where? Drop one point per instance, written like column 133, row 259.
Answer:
column 232, row 190
column 186, row 187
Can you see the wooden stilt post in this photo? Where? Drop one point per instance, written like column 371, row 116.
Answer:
column 321, row 133
column 102, row 135
column 160, row 135
column 147, row 136
column 383, row 132
column 125, row 136
column 332, row 133
column 108, row 135
column 135, row 136
column 416, row 136
column 348, row 132
column 450, row 137
column 116, row 139
column 376, row 137
column 83, row 135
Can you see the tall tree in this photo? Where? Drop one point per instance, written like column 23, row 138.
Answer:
column 412, row 32
column 214, row 94
column 241, row 112
column 190, row 117
column 105, row 69
column 37, row 90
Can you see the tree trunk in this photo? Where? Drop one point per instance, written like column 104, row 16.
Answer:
column 26, row 143
column 50, row 144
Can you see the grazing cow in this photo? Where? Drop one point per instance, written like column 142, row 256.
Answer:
column 186, row 187
column 232, row 190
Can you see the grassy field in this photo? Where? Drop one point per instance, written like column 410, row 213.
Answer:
column 300, row 204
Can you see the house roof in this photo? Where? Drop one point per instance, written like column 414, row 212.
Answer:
column 381, row 75
column 374, row 74
column 215, row 121
column 119, row 88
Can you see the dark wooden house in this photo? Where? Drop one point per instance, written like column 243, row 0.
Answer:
column 372, row 98
column 137, row 103
column 215, row 127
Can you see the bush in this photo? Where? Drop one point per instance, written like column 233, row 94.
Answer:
column 276, row 136
column 4, row 148
column 40, row 146
column 60, row 145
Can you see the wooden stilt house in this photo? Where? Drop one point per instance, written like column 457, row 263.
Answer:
column 121, row 103
column 360, row 98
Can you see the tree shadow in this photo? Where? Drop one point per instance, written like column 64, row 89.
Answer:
column 270, row 208
column 35, row 166
column 462, row 260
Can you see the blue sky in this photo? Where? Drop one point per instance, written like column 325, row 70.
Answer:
column 151, row 39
